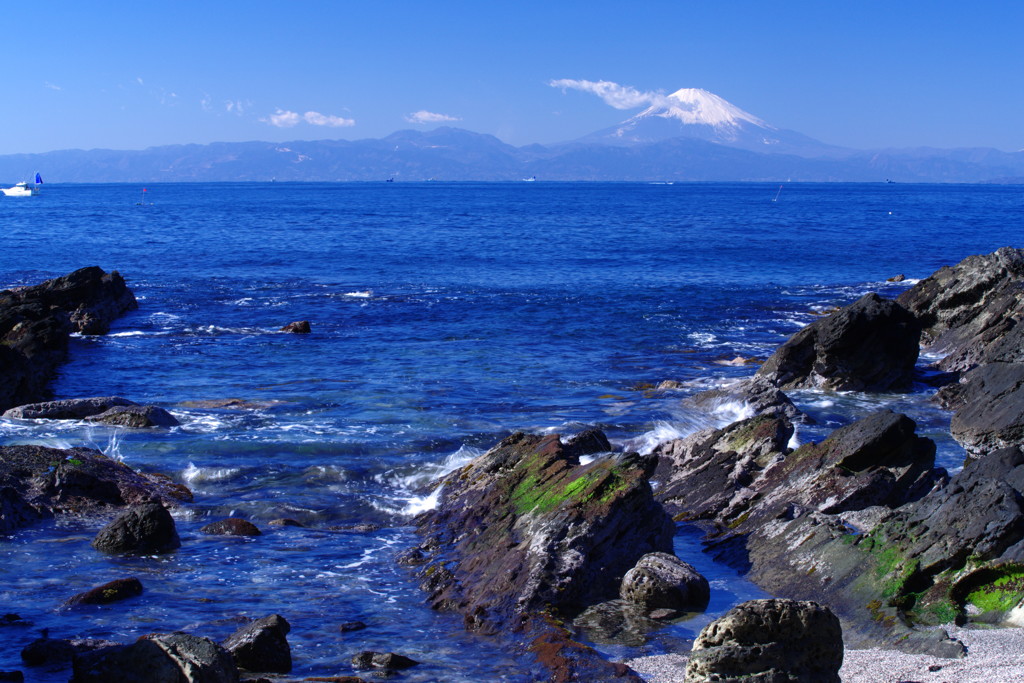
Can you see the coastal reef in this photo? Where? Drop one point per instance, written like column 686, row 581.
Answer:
column 535, row 530
column 36, row 324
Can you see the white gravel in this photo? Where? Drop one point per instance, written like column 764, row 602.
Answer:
column 993, row 656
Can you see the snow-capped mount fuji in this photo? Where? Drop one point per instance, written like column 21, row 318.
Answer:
column 697, row 113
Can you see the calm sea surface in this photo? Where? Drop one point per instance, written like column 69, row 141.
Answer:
column 444, row 317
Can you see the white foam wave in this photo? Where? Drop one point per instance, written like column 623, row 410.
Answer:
column 420, row 504
column 365, row 294
column 733, row 411
column 132, row 333
column 663, row 432
column 703, row 338
column 199, row 475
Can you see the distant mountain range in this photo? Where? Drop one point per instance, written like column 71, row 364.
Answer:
column 693, row 135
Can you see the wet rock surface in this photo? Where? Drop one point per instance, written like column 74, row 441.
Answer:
column 36, row 323
column 112, row 591
column 262, row 645
column 141, row 529
column 38, row 482
column 526, row 529
column 232, row 526
column 777, row 641
column 158, row 658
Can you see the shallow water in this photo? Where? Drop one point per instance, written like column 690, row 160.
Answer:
column 444, row 317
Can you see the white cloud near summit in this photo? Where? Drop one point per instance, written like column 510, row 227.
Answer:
column 290, row 119
column 618, row 96
column 423, row 116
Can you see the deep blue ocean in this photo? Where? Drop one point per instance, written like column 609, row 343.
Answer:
column 444, row 317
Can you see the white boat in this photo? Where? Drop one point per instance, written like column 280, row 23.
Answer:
column 23, row 189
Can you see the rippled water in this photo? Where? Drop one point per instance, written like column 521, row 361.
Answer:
column 444, row 317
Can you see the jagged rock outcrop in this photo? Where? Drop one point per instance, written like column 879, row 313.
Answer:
column 141, row 529
column 870, row 345
column 36, row 323
column 773, row 641
column 710, row 474
column 526, row 530
column 38, row 482
column 970, row 312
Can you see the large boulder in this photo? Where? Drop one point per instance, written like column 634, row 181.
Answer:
column 37, row 482
column 869, row 345
column 663, row 581
column 141, row 529
column 525, row 529
column 158, row 658
column 36, row 324
column 989, row 407
column 262, row 645
column 769, row 641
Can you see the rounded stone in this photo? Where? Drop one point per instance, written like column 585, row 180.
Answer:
column 663, row 581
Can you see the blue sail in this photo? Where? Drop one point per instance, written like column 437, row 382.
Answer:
column 39, row 179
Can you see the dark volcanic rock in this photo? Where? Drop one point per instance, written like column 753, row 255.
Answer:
column 776, row 641
column 136, row 416
column 989, row 405
column 660, row 580
column 112, row 591
column 525, row 529
column 36, row 324
column 36, row 481
column 298, row 327
column 262, row 645
column 232, row 526
column 158, row 658
column 67, row 409
column 967, row 310
column 388, row 661
column 141, row 529
column 870, row 345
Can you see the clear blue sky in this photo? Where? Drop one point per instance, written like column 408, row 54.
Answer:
column 861, row 74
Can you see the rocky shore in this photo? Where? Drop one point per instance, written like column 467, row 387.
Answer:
column 863, row 540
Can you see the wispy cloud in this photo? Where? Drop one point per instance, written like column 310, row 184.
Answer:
column 423, row 116
column 237, row 107
column 618, row 96
column 289, row 119
column 51, row 86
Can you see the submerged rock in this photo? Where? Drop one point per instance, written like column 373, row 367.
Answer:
column 232, row 526
column 298, row 327
column 388, row 661
column 136, row 416
column 870, row 345
column 141, row 529
column 112, row 591
column 36, row 324
column 781, row 641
